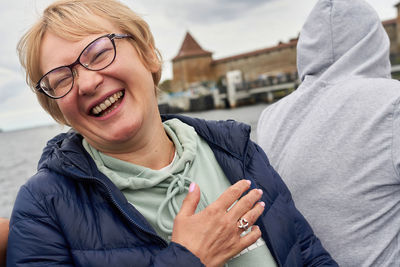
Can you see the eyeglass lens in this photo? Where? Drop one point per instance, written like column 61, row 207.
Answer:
column 96, row 56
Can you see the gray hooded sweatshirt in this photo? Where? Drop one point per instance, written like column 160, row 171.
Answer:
column 336, row 139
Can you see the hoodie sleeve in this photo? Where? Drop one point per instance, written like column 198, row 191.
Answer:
column 286, row 222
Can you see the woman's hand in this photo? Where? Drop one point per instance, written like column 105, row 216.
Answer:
column 3, row 240
column 213, row 234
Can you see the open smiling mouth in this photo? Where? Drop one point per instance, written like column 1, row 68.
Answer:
column 108, row 105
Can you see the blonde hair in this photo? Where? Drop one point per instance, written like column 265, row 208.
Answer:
column 74, row 20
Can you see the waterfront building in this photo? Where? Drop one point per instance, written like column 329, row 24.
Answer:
column 194, row 65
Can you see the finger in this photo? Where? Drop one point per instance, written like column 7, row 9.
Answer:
column 232, row 194
column 252, row 215
column 191, row 200
column 250, row 238
column 246, row 241
column 245, row 204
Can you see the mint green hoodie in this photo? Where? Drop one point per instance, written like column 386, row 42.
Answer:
column 158, row 194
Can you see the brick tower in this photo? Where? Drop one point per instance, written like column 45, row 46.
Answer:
column 191, row 64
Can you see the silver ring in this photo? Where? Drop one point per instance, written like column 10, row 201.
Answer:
column 243, row 223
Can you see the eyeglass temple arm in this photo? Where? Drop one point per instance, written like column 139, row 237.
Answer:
column 120, row 36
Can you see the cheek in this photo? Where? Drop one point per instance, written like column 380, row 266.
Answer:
column 68, row 107
column 63, row 106
column 130, row 68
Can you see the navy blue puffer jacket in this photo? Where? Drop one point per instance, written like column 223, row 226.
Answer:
column 70, row 214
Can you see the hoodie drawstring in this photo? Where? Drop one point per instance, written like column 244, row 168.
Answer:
column 178, row 186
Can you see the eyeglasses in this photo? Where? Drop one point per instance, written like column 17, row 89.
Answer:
column 97, row 55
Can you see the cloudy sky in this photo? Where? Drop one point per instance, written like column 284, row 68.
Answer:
column 224, row 27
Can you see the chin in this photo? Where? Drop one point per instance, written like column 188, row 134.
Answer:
column 124, row 133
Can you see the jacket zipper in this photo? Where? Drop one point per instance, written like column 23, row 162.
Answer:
column 159, row 239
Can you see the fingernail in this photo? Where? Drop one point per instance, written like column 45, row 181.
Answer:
column 192, row 187
column 248, row 181
column 262, row 203
column 260, row 191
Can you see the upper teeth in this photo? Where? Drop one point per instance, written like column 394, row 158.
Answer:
column 108, row 102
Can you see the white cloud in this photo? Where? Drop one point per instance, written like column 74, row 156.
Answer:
column 205, row 12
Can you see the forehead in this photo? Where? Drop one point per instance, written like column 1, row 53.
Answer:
column 56, row 50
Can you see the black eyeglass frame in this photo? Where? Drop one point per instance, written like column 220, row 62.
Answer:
column 111, row 36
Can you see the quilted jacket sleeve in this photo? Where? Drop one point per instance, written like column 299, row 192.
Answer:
column 34, row 239
column 176, row 255
column 311, row 249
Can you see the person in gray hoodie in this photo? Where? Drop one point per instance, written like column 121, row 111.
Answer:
column 335, row 140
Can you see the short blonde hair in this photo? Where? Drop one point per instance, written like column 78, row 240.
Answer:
column 74, row 20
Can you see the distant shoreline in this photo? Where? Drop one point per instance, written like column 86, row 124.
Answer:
column 49, row 125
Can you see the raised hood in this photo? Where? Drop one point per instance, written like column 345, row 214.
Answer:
column 343, row 38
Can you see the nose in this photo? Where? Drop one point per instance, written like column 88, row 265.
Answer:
column 86, row 80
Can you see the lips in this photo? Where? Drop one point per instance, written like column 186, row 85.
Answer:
column 108, row 105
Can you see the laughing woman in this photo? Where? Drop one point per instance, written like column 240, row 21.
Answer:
column 122, row 188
